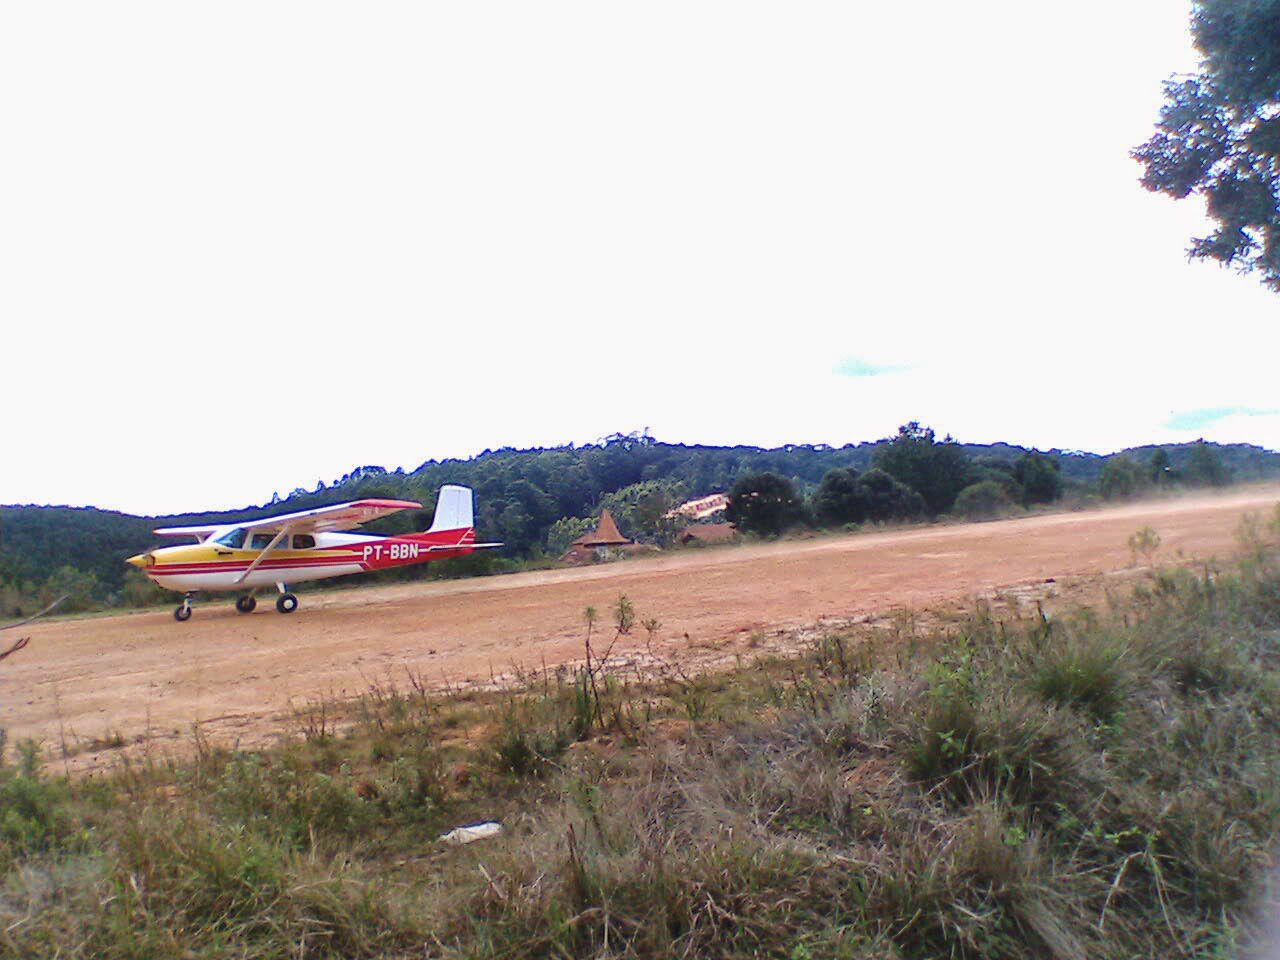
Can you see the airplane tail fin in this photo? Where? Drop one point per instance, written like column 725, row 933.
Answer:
column 454, row 510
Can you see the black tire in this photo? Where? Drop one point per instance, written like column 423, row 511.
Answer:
column 286, row 603
column 246, row 604
column 182, row 614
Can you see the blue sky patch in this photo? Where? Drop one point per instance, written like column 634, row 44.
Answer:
column 1199, row 419
column 857, row 367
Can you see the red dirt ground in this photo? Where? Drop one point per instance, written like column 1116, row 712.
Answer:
column 144, row 676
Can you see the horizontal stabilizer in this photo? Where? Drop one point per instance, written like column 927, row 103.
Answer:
column 468, row 546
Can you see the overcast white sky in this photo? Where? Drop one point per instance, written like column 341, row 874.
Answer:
column 247, row 246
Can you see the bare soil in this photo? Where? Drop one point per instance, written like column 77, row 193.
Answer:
column 85, row 685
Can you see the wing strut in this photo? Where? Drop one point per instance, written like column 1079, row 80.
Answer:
column 284, row 532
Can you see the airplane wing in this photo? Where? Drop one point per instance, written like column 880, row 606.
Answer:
column 198, row 532
column 338, row 516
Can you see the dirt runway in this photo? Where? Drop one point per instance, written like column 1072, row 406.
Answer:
column 143, row 674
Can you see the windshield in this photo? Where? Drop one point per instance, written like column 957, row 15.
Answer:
column 232, row 538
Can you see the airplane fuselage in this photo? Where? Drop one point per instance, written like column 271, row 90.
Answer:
column 212, row 566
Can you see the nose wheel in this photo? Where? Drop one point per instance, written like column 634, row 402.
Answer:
column 183, row 613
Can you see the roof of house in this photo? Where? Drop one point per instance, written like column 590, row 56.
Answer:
column 606, row 534
column 708, row 532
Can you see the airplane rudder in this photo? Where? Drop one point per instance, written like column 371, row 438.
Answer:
column 454, row 508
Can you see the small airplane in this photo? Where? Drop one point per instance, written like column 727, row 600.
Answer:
column 308, row 545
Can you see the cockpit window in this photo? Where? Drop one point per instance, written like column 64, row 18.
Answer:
column 303, row 541
column 261, row 541
column 232, row 538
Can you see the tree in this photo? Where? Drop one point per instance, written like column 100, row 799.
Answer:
column 998, row 470
column 840, row 498
column 1161, row 469
column 764, row 503
column 1205, row 467
column 1039, row 476
column 566, row 530
column 982, row 501
column 78, row 588
column 1121, row 477
column 936, row 471
column 1219, row 134
column 642, row 509
column 845, row 497
column 887, row 499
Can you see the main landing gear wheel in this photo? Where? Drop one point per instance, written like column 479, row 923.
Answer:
column 286, row 603
column 246, row 603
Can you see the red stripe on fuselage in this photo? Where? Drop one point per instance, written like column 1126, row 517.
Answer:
column 376, row 553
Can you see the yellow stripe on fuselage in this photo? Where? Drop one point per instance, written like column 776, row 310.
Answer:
column 217, row 558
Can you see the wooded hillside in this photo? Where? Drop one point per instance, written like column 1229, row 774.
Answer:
column 522, row 495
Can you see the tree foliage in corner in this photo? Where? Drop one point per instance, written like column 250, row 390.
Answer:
column 1219, row 134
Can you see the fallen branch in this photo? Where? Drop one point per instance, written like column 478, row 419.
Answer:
column 21, row 623
column 23, row 641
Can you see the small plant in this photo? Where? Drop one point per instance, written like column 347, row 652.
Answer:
column 1144, row 542
column 1251, row 535
column 1086, row 674
column 315, row 719
column 522, row 752
column 695, row 697
column 624, row 614
column 417, row 787
column 584, row 706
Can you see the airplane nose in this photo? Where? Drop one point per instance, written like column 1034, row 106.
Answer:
column 140, row 561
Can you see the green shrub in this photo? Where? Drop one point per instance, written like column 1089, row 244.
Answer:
column 1003, row 746
column 982, row 501
column 34, row 810
column 286, row 799
column 1121, row 477
column 1087, row 673
column 522, row 752
column 417, row 787
column 1144, row 541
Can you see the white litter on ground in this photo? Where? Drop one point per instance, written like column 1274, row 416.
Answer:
column 472, row 832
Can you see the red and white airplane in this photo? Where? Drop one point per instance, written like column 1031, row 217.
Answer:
column 294, row 547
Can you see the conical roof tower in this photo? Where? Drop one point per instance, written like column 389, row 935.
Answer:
column 606, row 534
